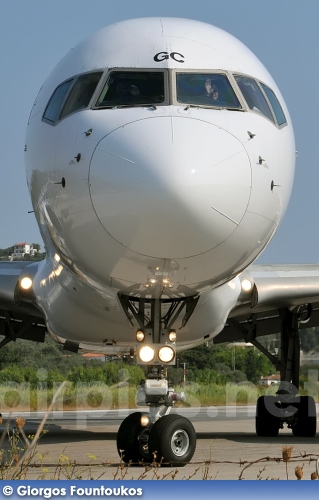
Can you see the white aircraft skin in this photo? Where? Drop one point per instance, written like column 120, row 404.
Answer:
column 152, row 208
column 183, row 196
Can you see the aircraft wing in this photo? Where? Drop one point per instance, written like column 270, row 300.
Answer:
column 276, row 288
column 19, row 318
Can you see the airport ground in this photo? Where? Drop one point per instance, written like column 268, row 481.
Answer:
column 83, row 445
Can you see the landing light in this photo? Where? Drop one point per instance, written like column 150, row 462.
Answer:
column 145, row 420
column 246, row 285
column 146, row 354
column 172, row 336
column 140, row 335
column 26, row 283
column 166, row 354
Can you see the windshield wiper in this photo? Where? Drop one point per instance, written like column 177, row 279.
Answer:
column 136, row 105
column 202, row 106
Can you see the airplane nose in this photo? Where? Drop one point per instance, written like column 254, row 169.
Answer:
column 170, row 187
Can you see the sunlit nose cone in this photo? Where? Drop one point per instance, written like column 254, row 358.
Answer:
column 170, row 187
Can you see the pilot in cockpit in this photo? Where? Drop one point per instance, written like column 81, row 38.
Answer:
column 126, row 90
column 211, row 90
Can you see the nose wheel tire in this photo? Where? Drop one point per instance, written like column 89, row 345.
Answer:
column 132, row 440
column 172, row 440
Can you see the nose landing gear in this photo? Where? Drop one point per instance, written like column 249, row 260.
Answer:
column 157, row 437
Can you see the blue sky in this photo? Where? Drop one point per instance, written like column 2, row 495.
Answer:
column 36, row 34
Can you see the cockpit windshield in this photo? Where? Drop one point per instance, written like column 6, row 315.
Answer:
column 253, row 95
column 129, row 88
column 206, row 89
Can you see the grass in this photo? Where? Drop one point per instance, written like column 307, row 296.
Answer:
column 21, row 397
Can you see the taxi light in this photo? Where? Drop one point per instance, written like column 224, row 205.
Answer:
column 146, row 354
column 145, row 420
column 140, row 335
column 246, row 285
column 172, row 336
column 26, row 283
column 166, row 354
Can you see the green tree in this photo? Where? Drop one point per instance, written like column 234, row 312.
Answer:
column 36, row 246
column 5, row 252
column 232, row 362
column 309, row 339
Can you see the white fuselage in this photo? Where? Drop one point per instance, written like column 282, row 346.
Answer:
column 164, row 199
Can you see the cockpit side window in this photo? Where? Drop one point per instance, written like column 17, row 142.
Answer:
column 54, row 105
column 206, row 89
column 132, row 88
column 277, row 109
column 81, row 93
column 253, row 95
